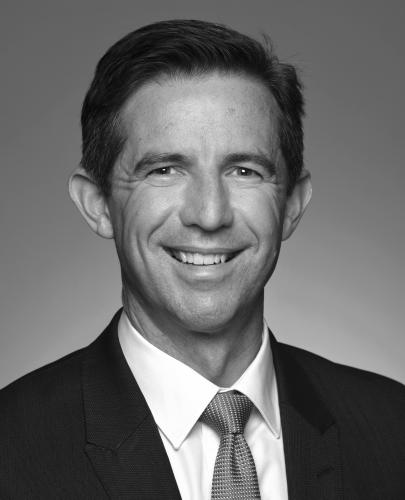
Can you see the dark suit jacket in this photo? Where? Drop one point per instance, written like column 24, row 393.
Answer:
column 80, row 429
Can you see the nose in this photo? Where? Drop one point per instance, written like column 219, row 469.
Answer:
column 206, row 203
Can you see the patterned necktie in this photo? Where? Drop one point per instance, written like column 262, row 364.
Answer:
column 234, row 472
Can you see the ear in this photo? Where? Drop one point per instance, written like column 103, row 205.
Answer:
column 296, row 204
column 91, row 202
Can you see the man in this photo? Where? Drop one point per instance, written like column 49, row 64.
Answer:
column 192, row 162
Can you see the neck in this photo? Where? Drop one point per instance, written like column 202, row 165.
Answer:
column 220, row 355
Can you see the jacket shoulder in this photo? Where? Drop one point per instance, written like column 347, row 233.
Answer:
column 337, row 372
column 42, row 381
column 42, row 435
column 52, row 386
column 43, row 432
column 35, row 406
column 352, row 390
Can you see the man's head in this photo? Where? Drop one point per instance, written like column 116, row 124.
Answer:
column 192, row 162
column 188, row 48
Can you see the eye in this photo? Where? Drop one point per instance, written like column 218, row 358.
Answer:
column 164, row 176
column 246, row 176
column 246, row 172
column 162, row 171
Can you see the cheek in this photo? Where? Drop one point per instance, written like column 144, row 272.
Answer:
column 141, row 214
column 262, row 211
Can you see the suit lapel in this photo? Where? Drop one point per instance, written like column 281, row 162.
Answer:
column 123, row 442
column 310, row 434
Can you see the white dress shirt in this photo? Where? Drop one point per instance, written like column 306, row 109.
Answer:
column 177, row 395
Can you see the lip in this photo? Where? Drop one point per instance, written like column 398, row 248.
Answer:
column 203, row 250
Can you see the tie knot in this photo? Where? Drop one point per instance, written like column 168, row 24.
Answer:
column 228, row 412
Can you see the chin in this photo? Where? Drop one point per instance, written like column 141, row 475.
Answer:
column 206, row 319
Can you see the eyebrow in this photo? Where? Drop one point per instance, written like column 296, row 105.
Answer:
column 151, row 159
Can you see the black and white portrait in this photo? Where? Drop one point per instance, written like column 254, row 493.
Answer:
column 201, row 278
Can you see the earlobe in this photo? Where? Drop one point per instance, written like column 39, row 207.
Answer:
column 296, row 204
column 91, row 202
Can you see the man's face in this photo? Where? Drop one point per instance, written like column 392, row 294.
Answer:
column 198, row 199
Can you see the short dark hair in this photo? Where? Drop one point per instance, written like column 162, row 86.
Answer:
column 183, row 47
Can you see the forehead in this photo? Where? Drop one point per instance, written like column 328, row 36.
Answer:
column 214, row 108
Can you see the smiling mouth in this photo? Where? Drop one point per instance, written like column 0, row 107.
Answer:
column 201, row 259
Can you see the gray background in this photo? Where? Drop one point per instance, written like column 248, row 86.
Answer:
column 339, row 286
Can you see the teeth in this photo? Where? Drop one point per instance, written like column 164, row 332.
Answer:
column 208, row 260
column 199, row 259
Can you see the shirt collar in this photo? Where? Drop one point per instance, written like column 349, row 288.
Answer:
column 177, row 395
column 258, row 383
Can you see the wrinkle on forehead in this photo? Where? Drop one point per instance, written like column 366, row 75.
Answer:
column 148, row 115
column 189, row 87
